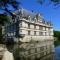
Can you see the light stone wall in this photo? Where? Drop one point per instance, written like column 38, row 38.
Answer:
column 31, row 26
column 44, row 28
column 37, row 27
column 46, row 31
column 37, row 33
column 26, row 25
column 49, row 31
column 32, row 32
column 23, row 24
column 22, row 31
column 36, row 38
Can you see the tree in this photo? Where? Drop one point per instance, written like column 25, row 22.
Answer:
column 3, row 20
column 4, row 5
column 57, row 34
column 55, row 2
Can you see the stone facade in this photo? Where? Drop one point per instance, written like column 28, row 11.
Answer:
column 32, row 28
column 29, row 27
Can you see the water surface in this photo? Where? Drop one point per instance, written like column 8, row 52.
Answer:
column 57, row 53
column 21, row 52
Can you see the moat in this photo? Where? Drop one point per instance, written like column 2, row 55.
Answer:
column 30, row 52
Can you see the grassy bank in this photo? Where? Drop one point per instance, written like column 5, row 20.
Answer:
column 56, row 43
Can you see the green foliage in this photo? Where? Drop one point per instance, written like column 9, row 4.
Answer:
column 56, row 43
column 3, row 19
column 5, row 4
column 16, row 54
column 57, row 34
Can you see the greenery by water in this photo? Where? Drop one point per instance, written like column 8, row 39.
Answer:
column 57, row 43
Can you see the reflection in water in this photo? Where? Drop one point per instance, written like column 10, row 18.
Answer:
column 57, row 53
column 29, row 51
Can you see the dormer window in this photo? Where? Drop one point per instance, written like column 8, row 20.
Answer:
column 39, row 17
column 29, row 17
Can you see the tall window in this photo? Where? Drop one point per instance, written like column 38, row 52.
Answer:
column 41, row 33
column 28, row 32
column 34, row 26
column 20, row 24
column 42, row 54
column 28, row 25
column 45, row 28
column 40, row 27
column 34, row 32
column 42, row 48
column 45, row 33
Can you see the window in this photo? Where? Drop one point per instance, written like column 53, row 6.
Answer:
column 20, row 24
column 34, row 26
column 40, row 27
column 45, row 28
column 34, row 32
column 20, row 31
column 28, row 32
column 42, row 48
column 45, row 33
column 38, row 49
column 28, row 25
column 42, row 54
column 40, row 33
column 32, row 50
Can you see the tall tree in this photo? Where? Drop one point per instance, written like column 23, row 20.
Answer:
column 4, row 5
column 3, row 20
column 55, row 2
column 57, row 34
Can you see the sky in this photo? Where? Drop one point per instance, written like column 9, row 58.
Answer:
column 49, row 12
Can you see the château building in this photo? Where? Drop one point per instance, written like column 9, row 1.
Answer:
column 31, row 27
column 28, row 26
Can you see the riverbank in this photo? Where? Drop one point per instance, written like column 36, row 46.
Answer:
column 56, row 43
